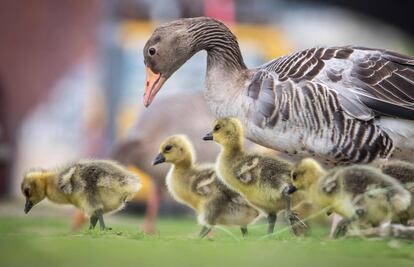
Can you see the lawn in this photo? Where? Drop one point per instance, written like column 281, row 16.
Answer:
column 46, row 241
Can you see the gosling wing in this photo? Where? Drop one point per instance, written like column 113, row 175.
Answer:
column 246, row 170
column 65, row 180
column 204, row 182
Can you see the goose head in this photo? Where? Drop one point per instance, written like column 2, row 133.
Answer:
column 306, row 173
column 228, row 132
column 166, row 50
column 172, row 44
column 176, row 149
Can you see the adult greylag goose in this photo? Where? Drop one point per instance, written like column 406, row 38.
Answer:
column 339, row 104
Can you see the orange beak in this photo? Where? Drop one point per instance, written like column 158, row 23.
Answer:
column 152, row 86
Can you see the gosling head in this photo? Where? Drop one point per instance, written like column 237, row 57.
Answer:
column 305, row 173
column 227, row 132
column 33, row 188
column 176, row 149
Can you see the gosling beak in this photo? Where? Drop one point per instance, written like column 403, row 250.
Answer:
column 28, row 206
column 158, row 159
column 153, row 84
column 208, row 137
column 291, row 189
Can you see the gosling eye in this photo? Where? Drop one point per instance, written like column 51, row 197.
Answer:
column 167, row 148
column 26, row 192
column 294, row 176
column 217, row 127
column 152, row 51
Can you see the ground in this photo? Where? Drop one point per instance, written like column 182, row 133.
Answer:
column 47, row 241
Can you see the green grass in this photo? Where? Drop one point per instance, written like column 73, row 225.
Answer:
column 37, row 241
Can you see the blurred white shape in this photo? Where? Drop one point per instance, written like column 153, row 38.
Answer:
column 164, row 10
column 54, row 132
column 310, row 26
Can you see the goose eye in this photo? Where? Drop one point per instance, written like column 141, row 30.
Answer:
column 294, row 176
column 152, row 51
column 167, row 148
column 216, row 128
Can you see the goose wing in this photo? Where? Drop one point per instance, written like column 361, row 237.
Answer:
column 367, row 82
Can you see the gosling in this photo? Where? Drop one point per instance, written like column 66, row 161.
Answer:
column 359, row 193
column 94, row 186
column 404, row 172
column 198, row 187
column 263, row 180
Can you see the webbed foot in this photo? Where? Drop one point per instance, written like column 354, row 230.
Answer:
column 297, row 225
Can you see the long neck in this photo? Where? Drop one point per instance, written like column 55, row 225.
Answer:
column 226, row 71
column 219, row 42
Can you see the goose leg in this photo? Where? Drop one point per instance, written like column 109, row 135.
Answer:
column 99, row 214
column 204, row 231
column 244, row 230
column 297, row 225
column 93, row 221
column 271, row 221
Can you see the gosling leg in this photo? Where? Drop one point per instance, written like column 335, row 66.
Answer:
column 271, row 221
column 342, row 227
column 93, row 221
column 99, row 214
column 204, row 231
column 403, row 219
column 335, row 220
column 297, row 225
column 244, row 231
